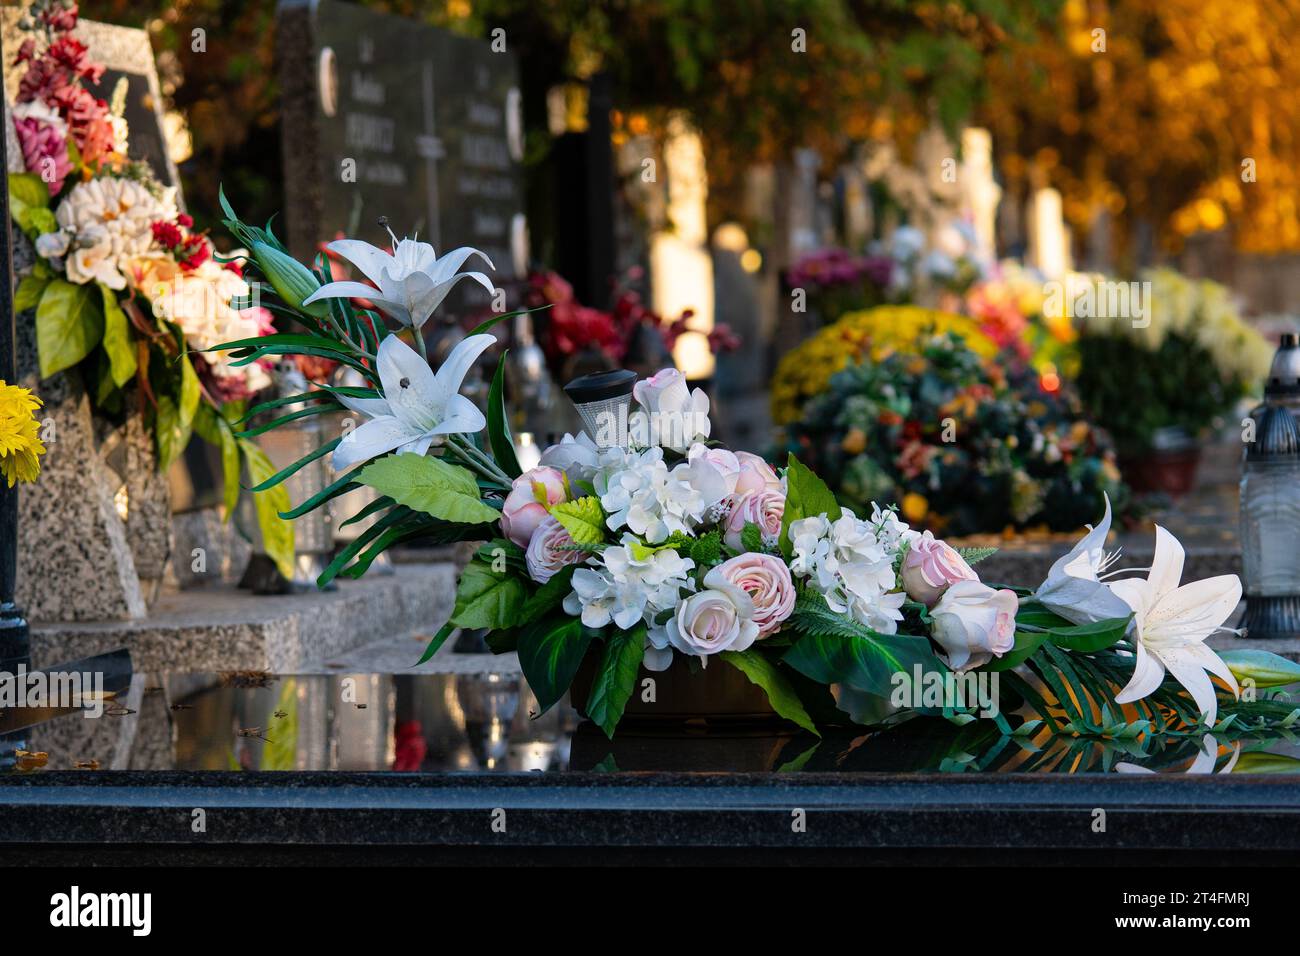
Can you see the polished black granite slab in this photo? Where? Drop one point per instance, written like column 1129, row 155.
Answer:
column 222, row 768
column 799, row 811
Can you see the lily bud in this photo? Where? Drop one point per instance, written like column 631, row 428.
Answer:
column 1263, row 668
column 291, row 280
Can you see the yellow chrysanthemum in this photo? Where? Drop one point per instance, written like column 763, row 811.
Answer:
column 20, row 440
column 806, row 370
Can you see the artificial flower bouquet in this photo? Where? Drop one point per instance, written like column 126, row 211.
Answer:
column 1187, row 361
column 966, row 444
column 124, row 289
column 642, row 542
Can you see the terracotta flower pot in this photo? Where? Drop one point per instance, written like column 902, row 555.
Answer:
column 717, row 693
column 1171, row 470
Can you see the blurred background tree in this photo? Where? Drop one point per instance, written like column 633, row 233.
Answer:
column 1173, row 116
column 755, row 88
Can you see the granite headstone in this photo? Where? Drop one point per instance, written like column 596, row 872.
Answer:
column 94, row 531
column 384, row 116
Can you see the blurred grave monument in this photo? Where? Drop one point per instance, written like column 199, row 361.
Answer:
column 94, row 533
column 385, row 116
column 389, row 117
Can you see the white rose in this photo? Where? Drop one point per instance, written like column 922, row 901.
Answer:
column 974, row 623
column 719, row 618
column 679, row 416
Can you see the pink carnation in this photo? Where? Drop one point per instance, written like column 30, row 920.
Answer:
column 45, row 151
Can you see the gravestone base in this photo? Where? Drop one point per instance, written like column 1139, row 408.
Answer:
column 226, row 629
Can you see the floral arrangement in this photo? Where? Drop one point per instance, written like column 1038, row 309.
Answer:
column 1188, row 359
column 968, row 444
column 837, row 281
column 569, row 329
column 124, row 289
column 806, row 370
column 660, row 546
column 20, row 440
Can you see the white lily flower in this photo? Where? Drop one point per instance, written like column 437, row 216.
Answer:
column 1207, row 755
column 1073, row 588
column 1171, row 623
column 417, row 406
column 411, row 282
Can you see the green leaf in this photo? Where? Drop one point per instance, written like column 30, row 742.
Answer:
column 277, row 533
column 29, row 292
column 487, row 599
column 170, row 435
column 616, row 674
column 487, row 324
column 1026, row 644
column 974, row 556
column 549, row 596
column 550, row 652
column 27, row 193
column 584, row 519
column 190, row 393
column 69, row 324
column 498, row 429
column 807, row 496
column 436, row 642
column 1082, row 638
column 867, row 663
column 1262, row 667
column 213, row 428
column 290, row 470
column 751, row 538
column 780, row 693
column 430, row 485
column 118, row 343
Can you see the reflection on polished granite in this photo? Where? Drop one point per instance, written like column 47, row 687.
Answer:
column 483, row 723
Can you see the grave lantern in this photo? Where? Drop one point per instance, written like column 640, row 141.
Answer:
column 603, row 399
column 1270, row 503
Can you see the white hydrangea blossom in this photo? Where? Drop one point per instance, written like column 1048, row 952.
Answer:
column 851, row 563
column 626, row 585
column 639, row 492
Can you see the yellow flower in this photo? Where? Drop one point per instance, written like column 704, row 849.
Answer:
column 915, row 507
column 806, row 370
column 20, row 441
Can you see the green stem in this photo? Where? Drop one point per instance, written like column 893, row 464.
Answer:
column 477, row 461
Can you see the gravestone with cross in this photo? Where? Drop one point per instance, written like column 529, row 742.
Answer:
column 388, row 117
column 94, row 531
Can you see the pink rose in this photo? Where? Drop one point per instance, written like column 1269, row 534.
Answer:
column 767, row 581
column 727, row 464
column 550, row 549
column 930, row 567
column 529, row 503
column 763, row 508
column 719, row 618
column 974, row 623
column 755, row 474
